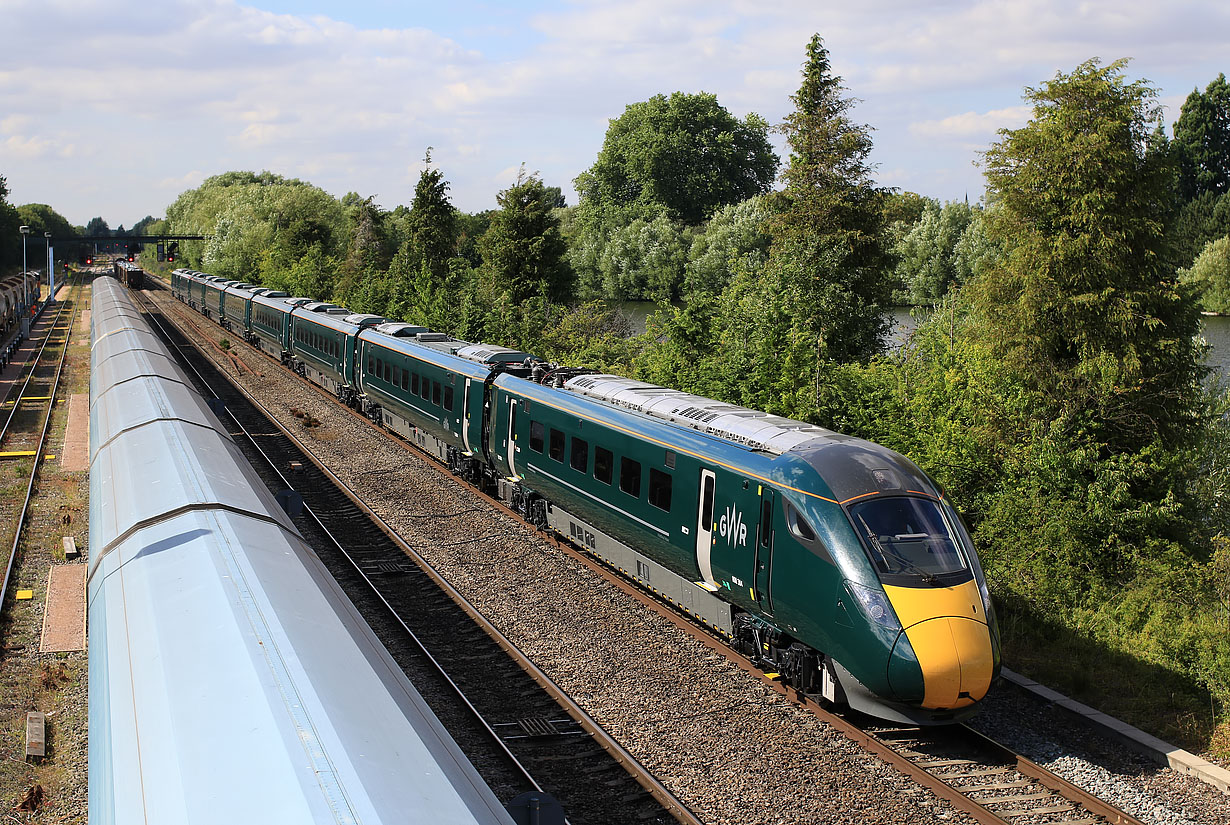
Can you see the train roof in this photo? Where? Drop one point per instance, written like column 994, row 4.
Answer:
column 851, row 467
column 411, row 346
column 331, row 320
column 399, row 329
column 743, row 426
column 491, row 355
column 363, row 319
column 259, row 692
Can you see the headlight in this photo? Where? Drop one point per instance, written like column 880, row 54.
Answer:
column 875, row 605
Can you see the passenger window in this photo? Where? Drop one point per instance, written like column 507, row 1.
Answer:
column 537, row 434
column 630, row 476
column 659, row 489
column 448, row 398
column 557, row 445
column 405, row 378
column 579, row 459
column 425, row 389
column 388, row 372
column 604, row 464
column 435, row 393
column 414, row 383
column 396, row 375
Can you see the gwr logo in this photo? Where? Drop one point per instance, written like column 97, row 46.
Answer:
column 732, row 528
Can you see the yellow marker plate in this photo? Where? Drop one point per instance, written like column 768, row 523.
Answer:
column 25, row 594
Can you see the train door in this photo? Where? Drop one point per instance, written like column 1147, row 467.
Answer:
column 465, row 417
column 764, row 551
column 704, row 526
column 488, row 420
column 511, row 436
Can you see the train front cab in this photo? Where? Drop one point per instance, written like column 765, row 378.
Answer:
column 913, row 637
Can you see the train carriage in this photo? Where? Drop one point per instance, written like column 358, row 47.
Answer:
column 235, row 307
column 214, row 295
column 421, row 388
column 270, row 323
column 178, row 279
column 17, row 294
column 323, row 344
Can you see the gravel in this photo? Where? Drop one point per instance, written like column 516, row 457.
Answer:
column 1053, row 738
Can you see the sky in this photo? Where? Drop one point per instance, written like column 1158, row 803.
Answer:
column 114, row 108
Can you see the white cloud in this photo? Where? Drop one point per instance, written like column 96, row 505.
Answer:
column 214, row 85
column 27, row 148
column 972, row 124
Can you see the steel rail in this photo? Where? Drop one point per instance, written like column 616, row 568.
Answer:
column 30, row 375
column 38, row 454
column 642, row 776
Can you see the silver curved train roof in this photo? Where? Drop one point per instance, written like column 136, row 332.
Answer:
column 259, row 693
column 750, row 428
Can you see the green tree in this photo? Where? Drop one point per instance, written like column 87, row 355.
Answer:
column 685, row 153
column 432, row 222
column 928, row 262
column 827, row 251
column 42, row 218
column 523, row 251
column 1210, row 276
column 1084, row 306
column 1201, row 220
column 1202, row 141
column 97, row 227
column 269, row 223
column 735, row 237
column 10, row 233
column 312, row 274
column 643, row 261
column 367, row 258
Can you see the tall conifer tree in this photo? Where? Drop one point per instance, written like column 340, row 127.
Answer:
column 827, row 229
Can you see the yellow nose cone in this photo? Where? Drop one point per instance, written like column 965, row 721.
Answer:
column 955, row 657
column 948, row 631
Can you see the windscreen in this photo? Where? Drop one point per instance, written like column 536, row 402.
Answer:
column 909, row 537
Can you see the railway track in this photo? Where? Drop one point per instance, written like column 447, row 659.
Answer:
column 523, row 734
column 989, row 781
column 27, row 416
column 983, row 779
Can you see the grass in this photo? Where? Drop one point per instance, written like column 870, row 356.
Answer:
column 1157, row 700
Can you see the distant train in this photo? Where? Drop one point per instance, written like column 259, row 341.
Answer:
column 18, row 295
column 230, row 678
column 128, row 273
column 828, row 559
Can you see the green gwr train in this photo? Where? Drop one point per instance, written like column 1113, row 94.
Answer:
column 832, row 561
